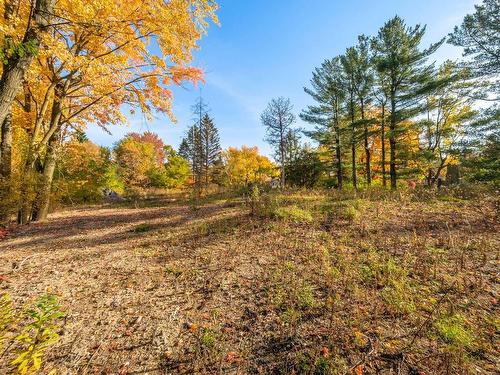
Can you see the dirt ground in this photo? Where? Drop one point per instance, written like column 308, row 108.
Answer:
column 177, row 290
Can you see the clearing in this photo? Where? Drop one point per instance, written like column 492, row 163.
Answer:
column 371, row 285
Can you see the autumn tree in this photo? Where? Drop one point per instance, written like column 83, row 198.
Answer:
column 245, row 166
column 137, row 162
column 24, row 25
column 278, row 118
column 99, row 57
column 155, row 140
column 83, row 171
column 447, row 113
column 398, row 55
column 328, row 90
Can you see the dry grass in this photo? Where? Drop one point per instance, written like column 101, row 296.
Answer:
column 379, row 285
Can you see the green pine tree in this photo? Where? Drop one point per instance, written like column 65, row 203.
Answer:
column 409, row 76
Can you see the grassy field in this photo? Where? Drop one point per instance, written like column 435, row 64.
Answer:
column 311, row 283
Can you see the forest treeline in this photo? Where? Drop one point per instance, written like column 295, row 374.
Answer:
column 383, row 113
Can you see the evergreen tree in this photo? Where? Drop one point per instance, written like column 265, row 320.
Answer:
column 328, row 91
column 201, row 147
column 278, row 119
column 306, row 169
column 348, row 61
column 479, row 35
column 192, row 150
column 398, row 56
column 363, row 87
column 184, row 149
column 210, row 144
column 381, row 96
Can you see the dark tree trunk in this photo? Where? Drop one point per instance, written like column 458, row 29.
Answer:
column 6, row 149
column 338, row 154
column 384, row 177
column 282, row 155
column 353, row 145
column 392, row 143
column 16, row 66
column 42, row 203
column 367, row 146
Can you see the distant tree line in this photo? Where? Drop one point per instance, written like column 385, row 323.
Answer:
column 384, row 112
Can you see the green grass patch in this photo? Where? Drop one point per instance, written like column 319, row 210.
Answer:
column 453, row 331
column 142, row 228
column 293, row 214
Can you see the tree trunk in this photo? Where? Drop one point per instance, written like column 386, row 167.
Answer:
column 26, row 204
column 14, row 69
column 282, row 155
column 353, row 146
column 384, row 177
column 6, row 169
column 392, row 143
column 339, row 158
column 42, row 203
column 338, row 154
column 6, row 148
column 367, row 146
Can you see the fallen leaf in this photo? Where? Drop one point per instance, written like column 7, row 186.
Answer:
column 324, row 352
column 231, row 357
column 193, row 327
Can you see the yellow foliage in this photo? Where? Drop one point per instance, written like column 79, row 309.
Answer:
column 246, row 166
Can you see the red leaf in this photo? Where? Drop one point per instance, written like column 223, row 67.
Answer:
column 359, row 370
column 3, row 233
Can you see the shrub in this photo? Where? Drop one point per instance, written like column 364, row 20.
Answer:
column 37, row 335
column 208, row 338
column 305, row 297
column 6, row 318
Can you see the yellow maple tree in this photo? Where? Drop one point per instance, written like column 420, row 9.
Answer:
column 246, row 166
column 98, row 57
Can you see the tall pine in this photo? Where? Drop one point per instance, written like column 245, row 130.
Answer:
column 328, row 90
column 399, row 57
column 210, row 144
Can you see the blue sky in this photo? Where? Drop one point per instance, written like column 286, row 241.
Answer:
column 268, row 48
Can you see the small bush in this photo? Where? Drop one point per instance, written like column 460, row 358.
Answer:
column 6, row 318
column 264, row 205
column 351, row 213
column 208, row 338
column 37, row 335
column 305, row 297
